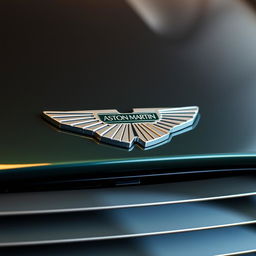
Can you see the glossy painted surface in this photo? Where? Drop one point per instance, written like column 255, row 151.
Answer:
column 82, row 55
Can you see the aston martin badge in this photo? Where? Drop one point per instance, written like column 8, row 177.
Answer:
column 145, row 126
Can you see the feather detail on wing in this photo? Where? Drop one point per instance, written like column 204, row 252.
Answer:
column 74, row 120
column 170, row 120
column 88, row 123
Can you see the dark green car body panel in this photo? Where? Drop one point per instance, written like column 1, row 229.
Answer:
column 86, row 55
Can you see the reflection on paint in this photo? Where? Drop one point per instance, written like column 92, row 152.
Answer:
column 15, row 166
column 169, row 18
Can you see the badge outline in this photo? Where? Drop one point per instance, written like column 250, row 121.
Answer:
column 147, row 134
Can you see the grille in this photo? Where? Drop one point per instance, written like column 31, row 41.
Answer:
column 203, row 217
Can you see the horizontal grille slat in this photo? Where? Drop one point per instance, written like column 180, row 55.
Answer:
column 242, row 253
column 200, row 243
column 124, row 223
column 121, row 197
column 147, row 217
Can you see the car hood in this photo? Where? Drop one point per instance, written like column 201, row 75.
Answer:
column 90, row 55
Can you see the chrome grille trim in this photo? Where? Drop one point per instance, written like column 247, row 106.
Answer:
column 126, row 197
column 244, row 253
column 155, row 215
column 126, row 223
column 200, row 243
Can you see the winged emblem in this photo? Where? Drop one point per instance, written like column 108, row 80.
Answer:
column 145, row 126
